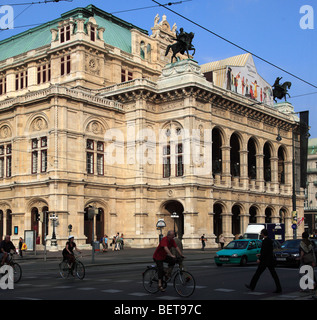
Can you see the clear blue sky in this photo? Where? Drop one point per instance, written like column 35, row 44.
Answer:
column 270, row 29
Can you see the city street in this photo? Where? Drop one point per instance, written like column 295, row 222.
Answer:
column 112, row 277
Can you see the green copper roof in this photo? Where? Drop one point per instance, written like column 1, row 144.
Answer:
column 312, row 146
column 117, row 32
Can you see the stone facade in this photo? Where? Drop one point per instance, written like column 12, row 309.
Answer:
column 86, row 124
column 311, row 190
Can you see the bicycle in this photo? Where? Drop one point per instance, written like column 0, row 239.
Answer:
column 78, row 267
column 17, row 270
column 183, row 281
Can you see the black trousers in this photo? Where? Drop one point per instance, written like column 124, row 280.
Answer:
column 261, row 268
column 160, row 266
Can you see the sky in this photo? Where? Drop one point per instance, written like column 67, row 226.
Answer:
column 281, row 32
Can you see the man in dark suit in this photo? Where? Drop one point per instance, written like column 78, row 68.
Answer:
column 265, row 260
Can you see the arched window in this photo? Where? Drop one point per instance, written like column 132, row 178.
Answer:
column 281, row 165
column 148, row 52
column 216, row 152
column 235, row 156
column 267, row 162
column 142, row 50
column 251, row 159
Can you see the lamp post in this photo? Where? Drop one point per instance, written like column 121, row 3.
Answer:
column 54, row 218
column 174, row 216
column 92, row 212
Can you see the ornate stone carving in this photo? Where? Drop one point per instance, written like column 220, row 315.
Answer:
column 5, row 132
column 39, row 124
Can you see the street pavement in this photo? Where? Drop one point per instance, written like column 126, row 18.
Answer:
column 128, row 256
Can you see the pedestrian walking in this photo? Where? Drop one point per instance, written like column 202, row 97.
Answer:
column 265, row 260
column 105, row 243
column 203, row 242
column 222, row 241
column 20, row 247
column 113, row 243
column 121, row 241
column 118, row 241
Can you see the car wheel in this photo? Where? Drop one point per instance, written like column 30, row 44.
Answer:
column 243, row 261
column 219, row 264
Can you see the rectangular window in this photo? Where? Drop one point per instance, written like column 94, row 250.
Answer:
column 65, row 34
column 34, row 143
column 92, row 34
column 9, row 166
column 99, row 146
column 65, row 65
column 38, row 75
column 43, row 160
column 90, row 144
column 34, row 161
column 179, row 160
column 3, row 86
column 166, row 161
column 122, row 75
column 21, row 80
column 130, row 75
column 1, row 167
column 5, row 161
column 39, row 149
column 90, row 163
column 62, row 33
column 44, row 142
column 100, row 163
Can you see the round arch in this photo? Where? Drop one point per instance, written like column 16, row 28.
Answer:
column 167, row 209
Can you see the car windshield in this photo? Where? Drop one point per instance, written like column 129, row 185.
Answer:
column 291, row 244
column 237, row 245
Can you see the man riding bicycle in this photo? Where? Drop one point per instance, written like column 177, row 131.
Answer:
column 5, row 247
column 68, row 253
column 163, row 254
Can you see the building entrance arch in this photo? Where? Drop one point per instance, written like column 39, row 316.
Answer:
column 169, row 209
column 99, row 225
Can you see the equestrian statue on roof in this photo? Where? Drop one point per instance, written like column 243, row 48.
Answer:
column 183, row 44
column 280, row 90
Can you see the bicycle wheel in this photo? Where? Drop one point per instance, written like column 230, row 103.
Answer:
column 79, row 270
column 150, row 280
column 64, row 269
column 184, row 283
column 17, row 272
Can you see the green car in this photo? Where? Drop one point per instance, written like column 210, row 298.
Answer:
column 239, row 252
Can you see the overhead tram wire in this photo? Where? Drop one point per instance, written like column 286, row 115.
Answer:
column 37, row 2
column 234, row 44
column 115, row 12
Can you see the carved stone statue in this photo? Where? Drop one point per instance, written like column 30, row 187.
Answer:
column 183, row 44
column 280, row 90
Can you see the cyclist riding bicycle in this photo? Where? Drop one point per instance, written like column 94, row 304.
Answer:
column 5, row 247
column 163, row 254
column 68, row 253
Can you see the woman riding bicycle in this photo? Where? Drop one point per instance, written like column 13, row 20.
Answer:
column 68, row 253
column 163, row 254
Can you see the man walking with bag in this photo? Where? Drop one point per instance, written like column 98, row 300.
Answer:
column 265, row 260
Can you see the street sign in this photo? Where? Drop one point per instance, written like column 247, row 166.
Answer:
column 160, row 224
